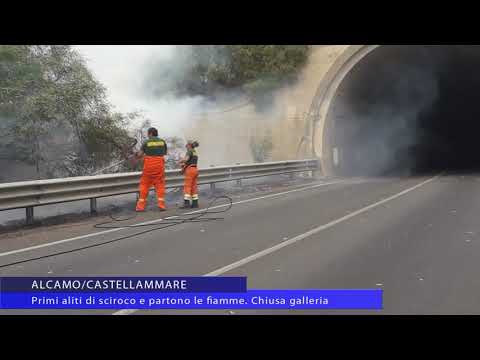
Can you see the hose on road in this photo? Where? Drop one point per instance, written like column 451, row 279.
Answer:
column 174, row 220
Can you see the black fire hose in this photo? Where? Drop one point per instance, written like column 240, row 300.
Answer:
column 163, row 224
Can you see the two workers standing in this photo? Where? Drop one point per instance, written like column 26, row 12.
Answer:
column 153, row 152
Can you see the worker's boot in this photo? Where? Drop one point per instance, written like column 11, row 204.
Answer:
column 140, row 205
column 161, row 205
column 194, row 204
column 186, row 204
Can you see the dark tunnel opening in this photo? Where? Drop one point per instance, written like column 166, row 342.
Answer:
column 408, row 110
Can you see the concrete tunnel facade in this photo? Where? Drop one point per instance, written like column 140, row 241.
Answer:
column 365, row 110
column 398, row 110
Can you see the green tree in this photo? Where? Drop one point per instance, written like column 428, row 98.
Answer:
column 54, row 111
column 255, row 70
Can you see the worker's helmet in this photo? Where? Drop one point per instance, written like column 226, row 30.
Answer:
column 193, row 143
column 152, row 131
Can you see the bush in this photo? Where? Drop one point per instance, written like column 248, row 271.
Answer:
column 209, row 70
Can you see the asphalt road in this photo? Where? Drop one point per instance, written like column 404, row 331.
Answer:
column 416, row 238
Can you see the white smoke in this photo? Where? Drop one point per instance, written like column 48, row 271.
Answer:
column 140, row 78
column 122, row 69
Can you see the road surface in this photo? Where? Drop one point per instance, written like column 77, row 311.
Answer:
column 416, row 238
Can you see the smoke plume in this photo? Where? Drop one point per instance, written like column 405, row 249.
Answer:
column 378, row 110
column 144, row 79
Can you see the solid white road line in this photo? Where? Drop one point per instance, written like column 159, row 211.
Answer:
column 298, row 238
column 13, row 252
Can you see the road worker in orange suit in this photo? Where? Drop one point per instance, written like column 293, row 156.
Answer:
column 153, row 152
column 190, row 171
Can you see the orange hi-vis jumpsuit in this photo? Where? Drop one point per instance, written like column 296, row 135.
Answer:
column 153, row 172
column 190, row 188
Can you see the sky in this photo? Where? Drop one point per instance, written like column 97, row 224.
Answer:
column 120, row 69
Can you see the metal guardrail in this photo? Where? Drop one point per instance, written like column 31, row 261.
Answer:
column 29, row 194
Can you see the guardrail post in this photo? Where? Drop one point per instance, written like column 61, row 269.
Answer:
column 317, row 173
column 93, row 206
column 118, row 184
column 29, row 211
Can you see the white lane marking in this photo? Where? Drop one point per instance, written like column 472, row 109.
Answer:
column 299, row 238
column 314, row 231
column 158, row 220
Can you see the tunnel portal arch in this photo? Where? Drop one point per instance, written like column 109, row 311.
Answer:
column 322, row 100
column 383, row 110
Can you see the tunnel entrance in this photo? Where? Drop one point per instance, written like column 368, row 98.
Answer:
column 408, row 110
